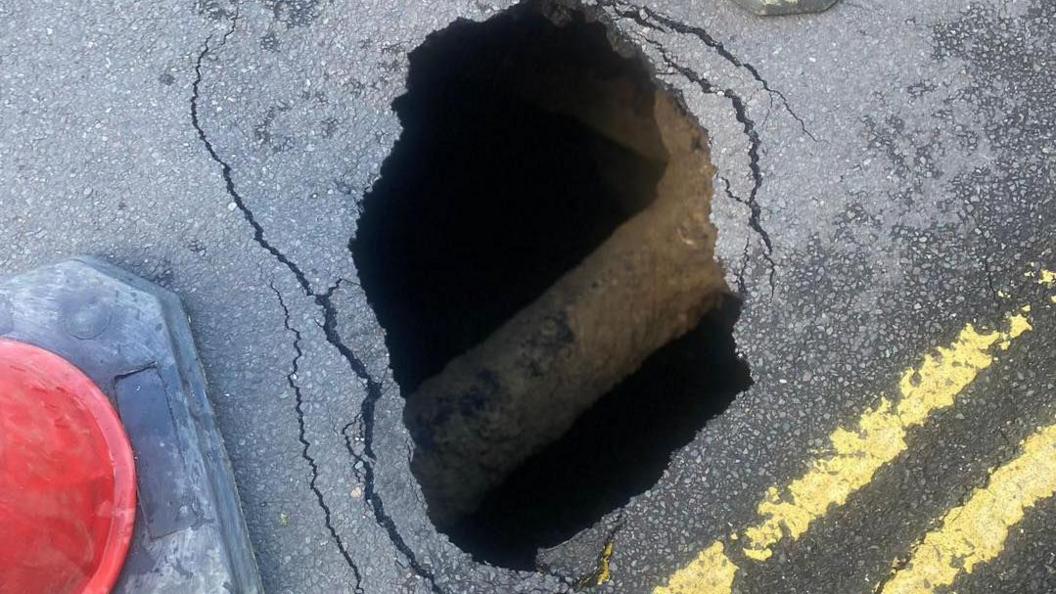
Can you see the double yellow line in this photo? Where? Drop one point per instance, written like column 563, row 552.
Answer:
column 975, row 532
column 970, row 534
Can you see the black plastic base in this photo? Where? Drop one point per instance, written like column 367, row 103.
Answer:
column 132, row 338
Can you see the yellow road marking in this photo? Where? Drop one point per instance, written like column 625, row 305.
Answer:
column 879, row 437
column 1048, row 278
column 711, row 572
column 975, row 532
column 604, row 571
column 857, row 455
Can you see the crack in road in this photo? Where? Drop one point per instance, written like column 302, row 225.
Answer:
column 602, row 571
column 740, row 110
column 366, row 419
column 702, row 34
column 329, row 327
column 994, row 293
column 752, row 202
column 741, row 284
column 301, row 436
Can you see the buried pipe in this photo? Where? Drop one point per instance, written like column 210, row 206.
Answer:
column 520, row 389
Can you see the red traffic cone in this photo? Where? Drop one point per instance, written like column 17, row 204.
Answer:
column 67, row 478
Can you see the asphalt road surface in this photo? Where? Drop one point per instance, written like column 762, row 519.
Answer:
column 887, row 194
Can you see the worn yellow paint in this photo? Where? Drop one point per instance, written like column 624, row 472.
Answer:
column 879, row 437
column 975, row 532
column 711, row 572
column 1048, row 278
column 604, row 573
column 856, row 455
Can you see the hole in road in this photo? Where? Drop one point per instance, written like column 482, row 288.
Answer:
column 539, row 254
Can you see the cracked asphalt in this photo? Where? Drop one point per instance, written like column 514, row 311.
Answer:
column 887, row 175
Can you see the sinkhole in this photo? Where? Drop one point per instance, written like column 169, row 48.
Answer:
column 539, row 251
